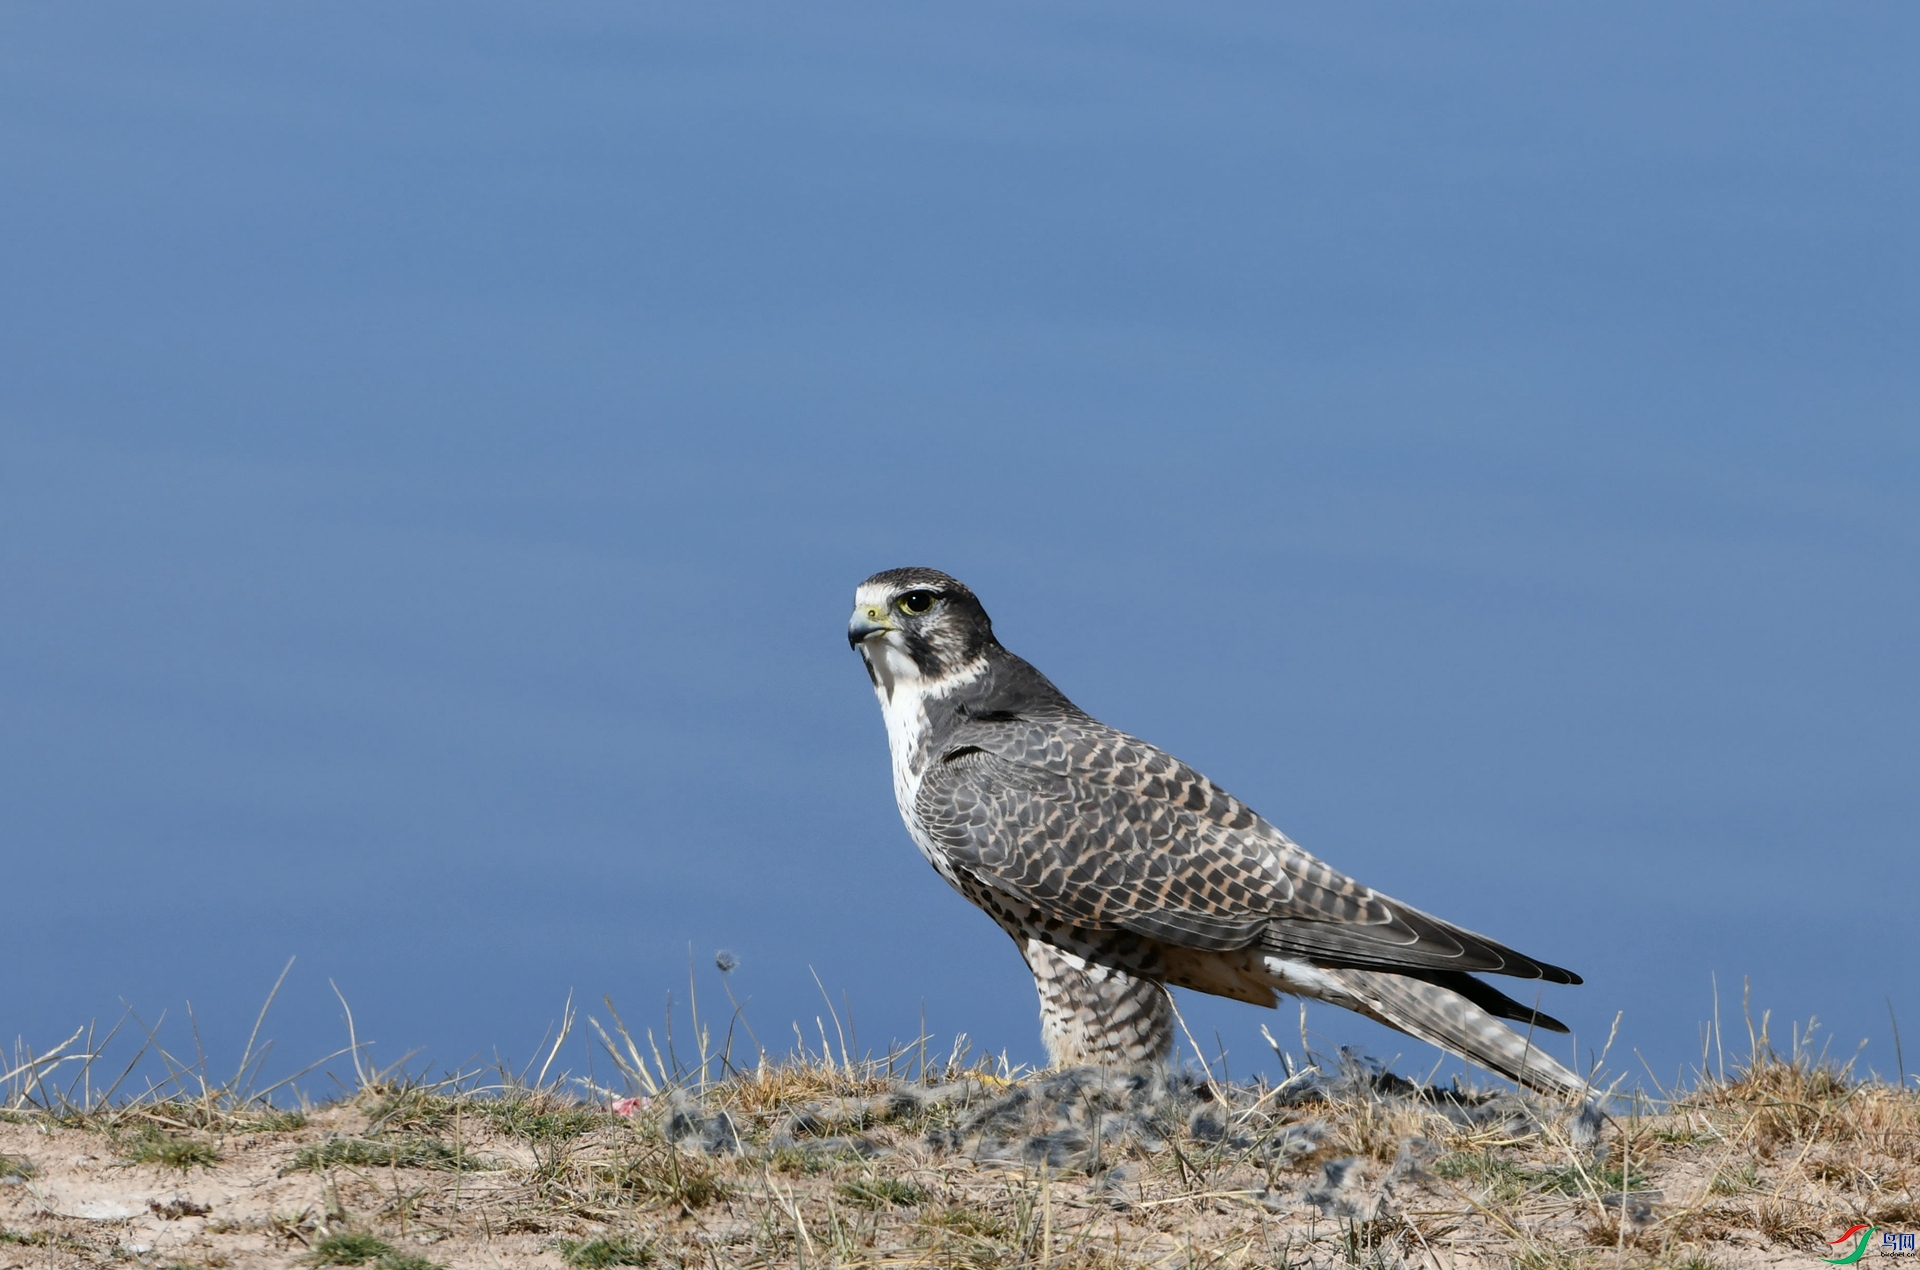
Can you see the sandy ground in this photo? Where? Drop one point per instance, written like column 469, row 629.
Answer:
column 88, row 1205
column 1731, row 1184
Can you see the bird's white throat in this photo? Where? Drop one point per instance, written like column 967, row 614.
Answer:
column 904, row 693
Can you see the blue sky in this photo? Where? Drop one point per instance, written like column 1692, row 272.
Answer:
column 439, row 445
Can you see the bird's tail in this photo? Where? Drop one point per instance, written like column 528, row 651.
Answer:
column 1447, row 1019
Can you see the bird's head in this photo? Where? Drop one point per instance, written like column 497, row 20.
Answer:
column 917, row 624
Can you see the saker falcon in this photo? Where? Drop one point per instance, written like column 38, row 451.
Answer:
column 1118, row 869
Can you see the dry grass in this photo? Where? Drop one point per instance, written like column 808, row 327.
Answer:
column 822, row 1159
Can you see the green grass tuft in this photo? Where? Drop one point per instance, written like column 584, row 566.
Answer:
column 1542, row 1257
column 350, row 1248
column 883, row 1192
column 1503, row 1179
column 165, row 1150
column 406, row 1151
column 1569, row 1180
column 1507, row 1180
column 531, row 1120
column 412, row 1110
column 14, row 1166
column 270, row 1120
column 591, row 1254
column 1736, row 1181
column 971, row 1222
column 357, row 1248
column 671, row 1176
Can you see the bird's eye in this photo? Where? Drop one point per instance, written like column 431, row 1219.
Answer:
column 917, row 602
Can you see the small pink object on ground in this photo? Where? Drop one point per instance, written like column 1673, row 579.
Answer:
column 626, row 1106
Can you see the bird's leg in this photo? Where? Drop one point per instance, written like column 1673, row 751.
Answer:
column 1091, row 1011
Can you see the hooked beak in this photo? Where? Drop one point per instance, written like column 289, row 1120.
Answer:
column 867, row 621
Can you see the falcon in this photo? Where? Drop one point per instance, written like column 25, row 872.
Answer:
column 1118, row 870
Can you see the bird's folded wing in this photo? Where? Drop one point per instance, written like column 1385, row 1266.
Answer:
column 1096, row 828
